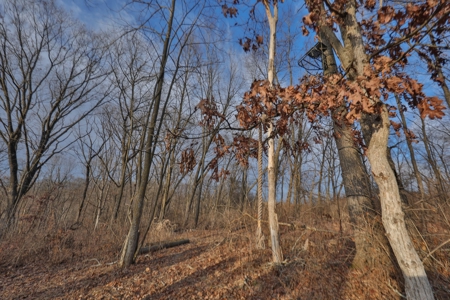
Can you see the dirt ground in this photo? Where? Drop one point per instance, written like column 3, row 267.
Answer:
column 216, row 264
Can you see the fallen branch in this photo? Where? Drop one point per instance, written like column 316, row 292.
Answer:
column 436, row 249
column 93, row 259
column 154, row 248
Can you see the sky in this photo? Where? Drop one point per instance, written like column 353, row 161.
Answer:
column 102, row 15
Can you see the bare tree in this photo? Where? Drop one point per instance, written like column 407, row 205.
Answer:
column 51, row 78
column 176, row 34
column 133, row 73
column 87, row 151
column 277, row 254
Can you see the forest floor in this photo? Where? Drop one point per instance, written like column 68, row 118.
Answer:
column 216, row 264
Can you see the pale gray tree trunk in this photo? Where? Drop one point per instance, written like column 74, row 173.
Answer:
column 277, row 254
column 417, row 286
column 376, row 133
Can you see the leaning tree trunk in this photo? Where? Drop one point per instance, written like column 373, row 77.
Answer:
column 129, row 250
column 375, row 129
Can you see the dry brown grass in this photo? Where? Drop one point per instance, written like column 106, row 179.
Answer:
column 221, row 261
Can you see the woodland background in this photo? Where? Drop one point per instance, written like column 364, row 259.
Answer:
column 148, row 117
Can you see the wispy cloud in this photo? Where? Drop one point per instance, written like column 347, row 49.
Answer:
column 98, row 14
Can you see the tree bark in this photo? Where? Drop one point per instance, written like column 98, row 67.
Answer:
column 401, row 187
column 277, row 254
column 85, row 190
column 129, row 250
column 167, row 184
column 375, row 129
column 410, row 148
column 362, row 210
column 259, row 234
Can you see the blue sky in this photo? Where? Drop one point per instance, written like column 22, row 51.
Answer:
column 103, row 14
column 97, row 14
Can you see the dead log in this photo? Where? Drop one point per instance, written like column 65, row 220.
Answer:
column 157, row 247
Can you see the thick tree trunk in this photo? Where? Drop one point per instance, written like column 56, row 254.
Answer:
column 362, row 210
column 417, row 285
column 375, row 129
column 376, row 132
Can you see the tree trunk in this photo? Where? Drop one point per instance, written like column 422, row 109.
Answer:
column 410, row 148
column 243, row 198
column 129, row 250
column 167, row 185
column 322, row 165
column 259, row 234
column 198, row 202
column 401, row 187
column 432, row 162
column 376, row 128
column 362, row 210
column 199, row 174
column 277, row 254
column 85, row 190
column 13, row 196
